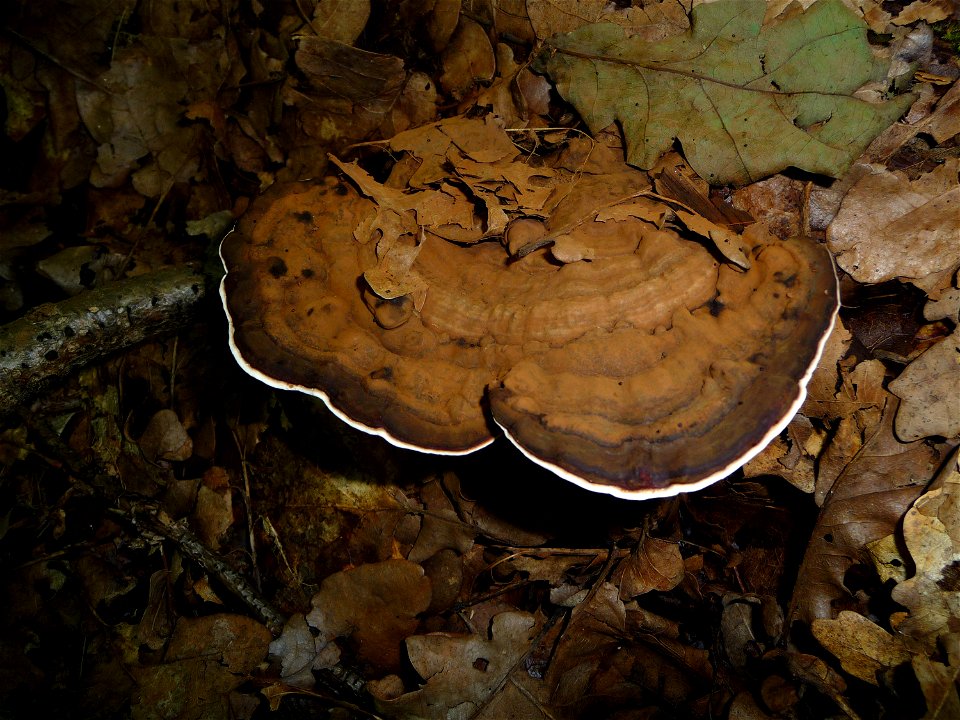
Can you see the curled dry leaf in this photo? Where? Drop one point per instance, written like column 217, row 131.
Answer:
column 651, row 370
column 656, row 564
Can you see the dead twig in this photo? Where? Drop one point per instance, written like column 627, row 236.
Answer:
column 57, row 339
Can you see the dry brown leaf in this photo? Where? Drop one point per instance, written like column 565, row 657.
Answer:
column 346, row 94
column 468, row 59
column 887, row 559
column 596, row 629
column 891, row 227
column 550, row 17
column 821, row 401
column 374, row 607
column 865, row 504
column 931, row 531
column 442, row 22
column 300, row 651
column 213, row 514
column 929, row 391
column 441, row 528
column 138, row 115
column 206, row 658
column 730, row 244
column 736, row 628
column 946, row 308
column 597, row 660
column 939, row 682
column 651, row 21
column 340, row 20
column 777, row 201
column 463, row 673
column 553, row 567
column 165, row 438
column 863, row 648
column 930, row 11
column 942, row 123
column 656, row 564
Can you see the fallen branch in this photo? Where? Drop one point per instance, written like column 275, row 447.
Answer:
column 54, row 340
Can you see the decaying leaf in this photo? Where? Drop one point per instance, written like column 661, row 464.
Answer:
column 462, row 673
column 745, row 101
column 374, row 607
column 468, row 58
column 137, row 116
column 609, row 650
column 865, row 504
column 863, row 648
column 206, row 658
column 651, row 20
column 655, row 565
column 300, row 651
column 929, row 390
column 340, row 20
column 891, row 227
column 931, row 531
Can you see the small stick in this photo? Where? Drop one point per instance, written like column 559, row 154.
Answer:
column 54, row 340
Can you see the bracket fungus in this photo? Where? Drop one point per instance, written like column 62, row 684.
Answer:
column 621, row 354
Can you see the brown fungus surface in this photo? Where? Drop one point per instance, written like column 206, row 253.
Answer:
column 645, row 365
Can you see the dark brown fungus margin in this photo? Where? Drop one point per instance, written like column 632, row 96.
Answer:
column 652, row 369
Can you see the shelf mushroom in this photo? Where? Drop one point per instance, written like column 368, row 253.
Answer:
column 633, row 361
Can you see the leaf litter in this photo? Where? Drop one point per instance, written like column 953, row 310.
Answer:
column 460, row 589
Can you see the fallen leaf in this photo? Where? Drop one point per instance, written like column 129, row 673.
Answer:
column 930, row 11
column 865, row 504
column 891, row 227
column 462, row 673
column 744, row 101
column 939, row 682
column 165, row 438
column 656, row 564
column 374, row 607
column 138, row 111
column 205, row 660
column 931, row 531
column 301, row 651
column 652, row 20
column 468, row 59
column 213, row 514
column 340, row 20
column 441, row 527
column 929, row 391
column 863, row 648
column 599, row 660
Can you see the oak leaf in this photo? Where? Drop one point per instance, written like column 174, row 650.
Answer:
column 744, row 100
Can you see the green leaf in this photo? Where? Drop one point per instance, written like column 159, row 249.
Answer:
column 745, row 101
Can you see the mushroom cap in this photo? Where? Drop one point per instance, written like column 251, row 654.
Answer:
column 653, row 368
